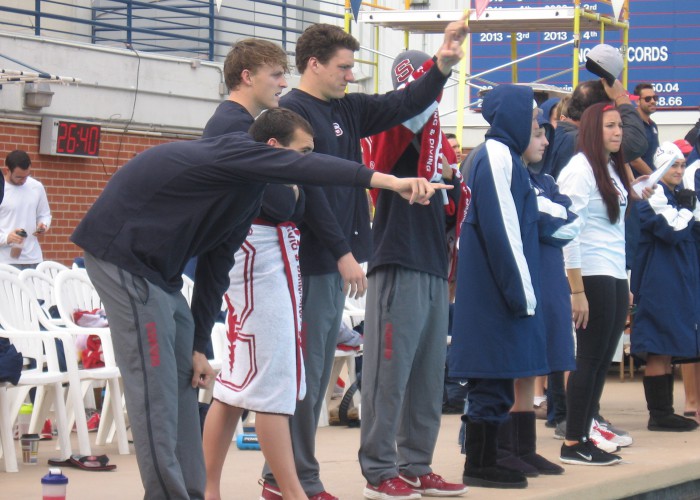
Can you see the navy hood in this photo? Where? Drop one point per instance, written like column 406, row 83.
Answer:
column 508, row 109
column 547, row 106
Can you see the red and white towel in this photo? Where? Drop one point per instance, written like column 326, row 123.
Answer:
column 263, row 367
column 382, row 151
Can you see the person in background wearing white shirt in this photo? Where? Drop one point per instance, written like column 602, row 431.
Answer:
column 24, row 213
column 597, row 182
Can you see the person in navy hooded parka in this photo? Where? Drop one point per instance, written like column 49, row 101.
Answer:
column 666, row 288
column 497, row 335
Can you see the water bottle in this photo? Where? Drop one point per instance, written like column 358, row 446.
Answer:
column 247, row 442
column 54, row 485
column 23, row 420
column 16, row 249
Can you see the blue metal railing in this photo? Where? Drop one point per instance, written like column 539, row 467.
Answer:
column 188, row 28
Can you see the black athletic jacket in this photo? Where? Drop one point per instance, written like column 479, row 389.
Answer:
column 196, row 198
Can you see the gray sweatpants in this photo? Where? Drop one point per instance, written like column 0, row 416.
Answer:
column 153, row 333
column 403, row 369
column 323, row 303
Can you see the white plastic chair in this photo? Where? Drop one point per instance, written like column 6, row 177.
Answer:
column 353, row 315
column 354, row 309
column 50, row 268
column 75, row 291
column 346, row 358
column 20, row 311
column 43, row 288
column 41, row 347
column 218, row 337
column 187, row 288
column 7, row 444
column 9, row 269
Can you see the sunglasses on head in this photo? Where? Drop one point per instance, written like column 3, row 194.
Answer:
column 650, row 98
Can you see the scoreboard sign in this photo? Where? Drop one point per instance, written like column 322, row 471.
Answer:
column 664, row 49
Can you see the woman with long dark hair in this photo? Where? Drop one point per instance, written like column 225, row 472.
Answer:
column 597, row 182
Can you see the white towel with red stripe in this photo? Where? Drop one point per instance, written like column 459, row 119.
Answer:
column 262, row 367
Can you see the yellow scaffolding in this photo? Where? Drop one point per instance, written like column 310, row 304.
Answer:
column 576, row 19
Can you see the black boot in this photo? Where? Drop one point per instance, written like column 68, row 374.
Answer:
column 680, row 419
column 525, row 443
column 506, row 453
column 480, row 468
column 658, row 391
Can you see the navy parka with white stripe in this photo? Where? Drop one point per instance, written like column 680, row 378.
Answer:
column 558, row 225
column 666, row 278
column 498, row 331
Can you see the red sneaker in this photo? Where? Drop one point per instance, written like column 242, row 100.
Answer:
column 391, row 489
column 434, row 486
column 270, row 491
column 93, row 423
column 324, row 495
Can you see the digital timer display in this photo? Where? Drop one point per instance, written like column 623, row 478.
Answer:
column 65, row 137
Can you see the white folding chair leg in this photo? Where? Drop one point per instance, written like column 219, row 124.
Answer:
column 42, row 405
column 8, row 443
column 78, row 415
column 323, row 417
column 85, row 386
column 75, row 401
column 89, row 397
column 62, row 423
column 18, row 396
column 117, row 409
column 106, row 430
column 106, row 434
column 340, row 359
column 43, row 401
column 352, row 378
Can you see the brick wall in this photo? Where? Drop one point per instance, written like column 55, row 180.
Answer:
column 72, row 184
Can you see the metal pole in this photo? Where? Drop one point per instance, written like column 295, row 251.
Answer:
column 347, row 16
column 376, row 60
column 577, row 41
column 37, row 17
column 625, row 44
column 284, row 26
column 129, row 19
column 462, row 87
column 407, row 6
column 211, row 30
column 513, row 57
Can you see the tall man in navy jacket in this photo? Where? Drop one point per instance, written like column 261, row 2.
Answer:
column 255, row 71
column 336, row 236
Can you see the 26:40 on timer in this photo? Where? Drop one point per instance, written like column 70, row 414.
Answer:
column 66, row 137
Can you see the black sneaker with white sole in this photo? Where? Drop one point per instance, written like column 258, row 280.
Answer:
column 586, row 453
